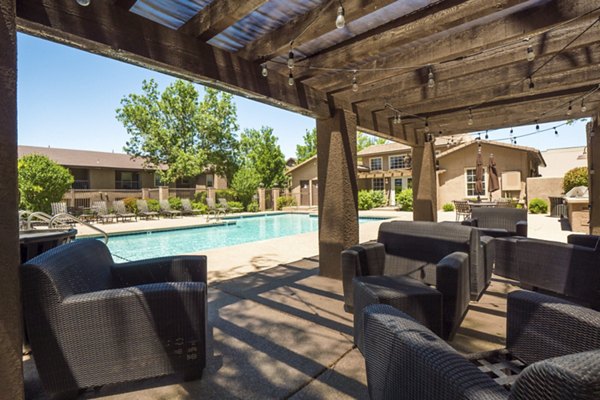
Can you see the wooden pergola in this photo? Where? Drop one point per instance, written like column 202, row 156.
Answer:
column 443, row 67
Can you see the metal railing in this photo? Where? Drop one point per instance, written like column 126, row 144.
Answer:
column 59, row 219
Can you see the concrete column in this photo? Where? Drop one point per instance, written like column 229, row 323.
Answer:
column 593, row 150
column 145, row 193
column 338, row 190
column 275, row 195
column 163, row 193
column 72, row 195
column 424, row 183
column 11, row 336
column 211, row 194
column 262, row 199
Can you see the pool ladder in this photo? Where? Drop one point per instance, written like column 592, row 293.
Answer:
column 58, row 219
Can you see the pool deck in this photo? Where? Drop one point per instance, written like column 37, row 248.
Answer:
column 280, row 332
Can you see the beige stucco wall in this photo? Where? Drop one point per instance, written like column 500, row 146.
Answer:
column 306, row 172
column 452, row 182
column 102, row 178
column 543, row 188
column 147, row 179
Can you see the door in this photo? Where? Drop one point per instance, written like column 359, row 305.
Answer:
column 304, row 193
column 315, row 193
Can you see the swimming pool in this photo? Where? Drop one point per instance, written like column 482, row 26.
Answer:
column 236, row 231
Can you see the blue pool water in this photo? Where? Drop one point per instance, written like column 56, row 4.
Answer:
column 184, row 241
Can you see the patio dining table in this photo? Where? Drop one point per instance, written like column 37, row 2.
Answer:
column 482, row 204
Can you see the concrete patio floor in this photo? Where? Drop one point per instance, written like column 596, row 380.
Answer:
column 281, row 332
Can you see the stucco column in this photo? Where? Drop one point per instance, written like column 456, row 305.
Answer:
column 11, row 336
column 593, row 150
column 210, row 194
column 275, row 192
column 338, row 191
column 262, row 199
column 163, row 193
column 145, row 193
column 424, row 183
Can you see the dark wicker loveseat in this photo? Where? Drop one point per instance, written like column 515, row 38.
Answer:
column 560, row 342
column 498, row 221
column 92, row 322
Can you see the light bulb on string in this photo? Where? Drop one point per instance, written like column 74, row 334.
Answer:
column 531, row 84
column 354, row 83
column 583, row 107
column 511, row 131
column 426, row 126
column 439, row 133
column 290, row 61
column 431, row 80
column 537, row 126
column 515, row 141
column 470, row 120
column 486, row 135
column 84, row 3
column 570, row 109
column 530, row 53
column 478, row 135
column 264, row 70
column 340, row 20
column 555, row 131
column 291, row 78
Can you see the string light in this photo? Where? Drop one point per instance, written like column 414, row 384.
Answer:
column 570, row 109
column 426, row 126
column 397, row 120
column 290, row 61
column 583, row 107
column 478, row 135
column 291, row 78
column 431, row 80
column 354, row 83
column 470, row 121
column 531, row 84
column 486, row 135
column 555, row 131
column 264, row 71
column 530, row 54
column 340, row 20
column 511, row 131
column 84, row 3
column 537, row 126
column 440, row 133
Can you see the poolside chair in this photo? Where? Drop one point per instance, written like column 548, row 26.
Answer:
column 462, row 209
column 165, row 209
column 61, row 208
column 143, row 210
column 213, row 208
column 227, row 207
column 92, row 322
column 187, row 209
column 121, row 211
column 101, row 210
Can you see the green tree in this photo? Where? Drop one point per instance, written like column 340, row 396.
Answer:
column 41, row 182
column 175, row 128
column 245, row 182
column 577, row 176
column 259, row 150
column 309, row 148
column 364, row 140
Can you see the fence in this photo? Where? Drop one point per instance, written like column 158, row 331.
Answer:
column 83, row 198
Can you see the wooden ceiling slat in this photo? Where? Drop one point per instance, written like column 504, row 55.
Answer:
column 124, row 4
column 218, row 16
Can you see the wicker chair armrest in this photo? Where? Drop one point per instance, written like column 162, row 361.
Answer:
column 521, row 228
column 164, row 269
column 360, row 260
column 541, row 327
column 590, row 241
column 452, row 280
column 470, row 222
column 406, row 360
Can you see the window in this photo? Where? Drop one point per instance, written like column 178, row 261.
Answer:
column 210, row 180
column 376, row 164
column 127, row 180
column 81, row 178
column 398, row 184
column 397, row 162
column 409, row 183
column 378, row 184
column 157, row 181
column 470, row 181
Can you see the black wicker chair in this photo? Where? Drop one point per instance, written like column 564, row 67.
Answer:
column 92, row 322
column 499, row 222
column 559, row 340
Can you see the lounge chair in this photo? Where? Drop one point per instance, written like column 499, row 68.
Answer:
column 61, row 208
column 143, row 210
column 121, row 211
column 187, row 208
column 92, row 322
column 101, row 210
column 213, row 208
column 227, row 207
column 165, row 209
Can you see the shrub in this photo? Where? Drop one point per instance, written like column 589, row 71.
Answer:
column 448, row 207
column 131, row 204
column 575, row 177
column 235, row 204
column 538, row 206
column 200, row 197
column 153, row 205
column 252, row 207
column 175, row 203
column 202, row 207
column 404, row 200
column 378, row 198
column 245, row 182
column 365, row 201
column 41, row 182
column 285, row 201
column 227, row 194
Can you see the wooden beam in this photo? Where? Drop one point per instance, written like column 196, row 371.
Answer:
column 104, row 29
column 307, row 27
column 464, row 41
column 218, row 16
column 124, row 4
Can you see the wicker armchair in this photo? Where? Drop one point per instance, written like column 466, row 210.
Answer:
column 560, row 341
column 92, row 322
column 499, row 222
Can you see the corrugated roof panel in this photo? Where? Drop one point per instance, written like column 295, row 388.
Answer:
column 170, row 13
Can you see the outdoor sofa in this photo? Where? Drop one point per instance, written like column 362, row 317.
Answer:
column 557, row 342
column 92, row 322
column 499, row 221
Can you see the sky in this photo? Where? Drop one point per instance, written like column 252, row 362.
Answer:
column 67, row 99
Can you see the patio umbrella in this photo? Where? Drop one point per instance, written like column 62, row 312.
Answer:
column 479, row 175
column 493, row 182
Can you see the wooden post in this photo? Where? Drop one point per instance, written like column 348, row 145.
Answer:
column 338, row 190
column 593, row 150
column 262, row 199
column 424, row 183
column 11, row 336
column 163, row 193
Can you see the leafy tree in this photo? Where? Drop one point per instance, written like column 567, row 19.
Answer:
column 577, row 176
column 41, row 182
column 309, row 148
column 245, row 182
column 175, row 128
column 364, row 140
column 259, row 150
